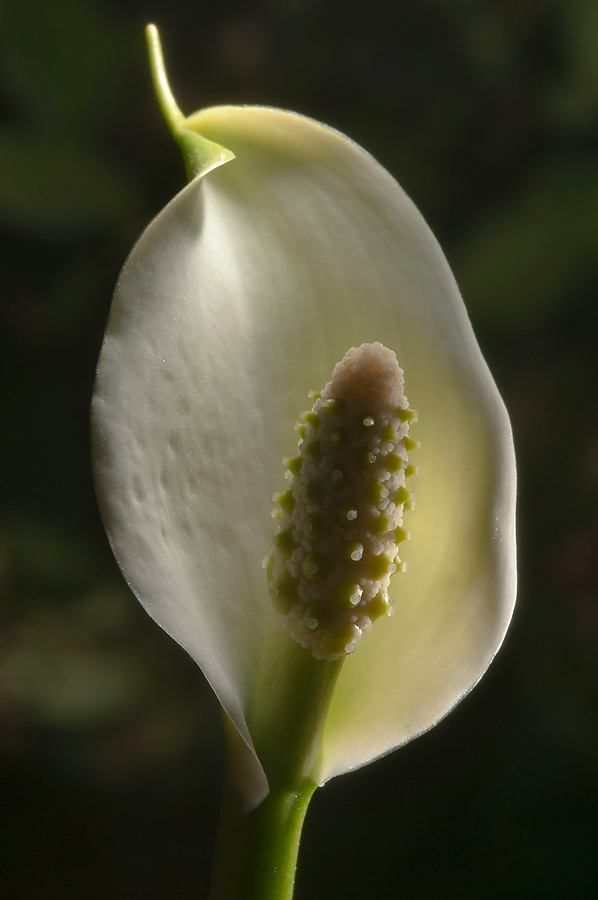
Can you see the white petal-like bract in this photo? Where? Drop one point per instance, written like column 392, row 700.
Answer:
column 238, row 299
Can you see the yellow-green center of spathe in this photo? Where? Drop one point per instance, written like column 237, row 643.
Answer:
column 341, row 517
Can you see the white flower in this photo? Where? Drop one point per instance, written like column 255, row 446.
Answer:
column 238, row 299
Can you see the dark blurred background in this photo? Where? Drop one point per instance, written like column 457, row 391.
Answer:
column 487, row 114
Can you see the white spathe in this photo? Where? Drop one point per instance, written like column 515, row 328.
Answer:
column 241, row 296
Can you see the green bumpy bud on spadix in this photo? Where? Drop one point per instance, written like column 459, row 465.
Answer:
column 238, row 299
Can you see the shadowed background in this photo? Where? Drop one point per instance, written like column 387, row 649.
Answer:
column 110, row 750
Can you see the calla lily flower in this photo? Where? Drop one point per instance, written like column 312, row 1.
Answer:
column 286, row 249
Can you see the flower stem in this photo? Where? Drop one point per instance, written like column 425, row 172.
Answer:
column 289, row 707
column 256, row 852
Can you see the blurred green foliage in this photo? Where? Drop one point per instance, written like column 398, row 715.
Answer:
column 486, row 111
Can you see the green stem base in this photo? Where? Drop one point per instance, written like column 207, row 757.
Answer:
column 256, row 852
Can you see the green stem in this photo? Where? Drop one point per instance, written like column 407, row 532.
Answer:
column 256, row 852
column 289, row 708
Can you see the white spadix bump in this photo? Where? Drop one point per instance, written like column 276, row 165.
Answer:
column 340, row 519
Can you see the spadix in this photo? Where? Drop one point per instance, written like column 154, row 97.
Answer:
column 341, row 516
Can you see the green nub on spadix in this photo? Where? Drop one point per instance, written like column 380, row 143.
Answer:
column 341, row 517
